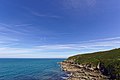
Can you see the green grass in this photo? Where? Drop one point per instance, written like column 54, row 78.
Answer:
column 110, row 59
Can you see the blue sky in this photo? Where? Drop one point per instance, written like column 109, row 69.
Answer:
column 58, row 28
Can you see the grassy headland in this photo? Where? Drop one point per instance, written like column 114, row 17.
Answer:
column 110, row 59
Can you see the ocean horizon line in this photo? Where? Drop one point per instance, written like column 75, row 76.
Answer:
column 33, row 58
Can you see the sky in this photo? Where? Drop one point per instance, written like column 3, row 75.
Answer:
column 58, row 28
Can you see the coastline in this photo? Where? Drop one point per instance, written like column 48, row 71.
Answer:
column 81, row 72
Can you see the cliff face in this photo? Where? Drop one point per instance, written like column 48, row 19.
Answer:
column 82, row 72
column 93, row 66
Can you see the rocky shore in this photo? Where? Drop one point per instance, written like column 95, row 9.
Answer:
column 82, row 72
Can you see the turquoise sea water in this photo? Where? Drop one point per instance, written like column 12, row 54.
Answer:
column 30, row 69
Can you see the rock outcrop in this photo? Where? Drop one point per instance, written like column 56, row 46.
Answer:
column 83, row 72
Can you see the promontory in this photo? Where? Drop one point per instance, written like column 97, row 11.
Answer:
column 104, row 65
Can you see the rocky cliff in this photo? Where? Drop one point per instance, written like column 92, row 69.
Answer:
column 103, row 65
column 82, row 72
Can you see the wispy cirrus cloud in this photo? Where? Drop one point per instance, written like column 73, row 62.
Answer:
column 44, row 15
column 38, row 14
column 21, row 34
column 62, row 49
column 5, row 35
column 22, row 24
column 56, row 50
column 5, row 28
column 93, row 44
column 10, row 34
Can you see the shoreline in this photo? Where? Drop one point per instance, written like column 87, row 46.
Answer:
column 81, row 72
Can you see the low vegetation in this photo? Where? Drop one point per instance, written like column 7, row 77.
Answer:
column 110, row 59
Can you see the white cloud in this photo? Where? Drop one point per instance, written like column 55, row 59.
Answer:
column 92, row 44
column 22, row 25
column 35, row 13
column 61, row 50
column 5, row 29
column 44, row 15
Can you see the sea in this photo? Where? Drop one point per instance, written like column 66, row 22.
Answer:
column 31, row 69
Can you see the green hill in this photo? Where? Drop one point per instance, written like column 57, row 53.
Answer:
column 110, row 59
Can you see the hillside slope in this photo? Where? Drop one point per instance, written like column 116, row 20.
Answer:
column 109, row 60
